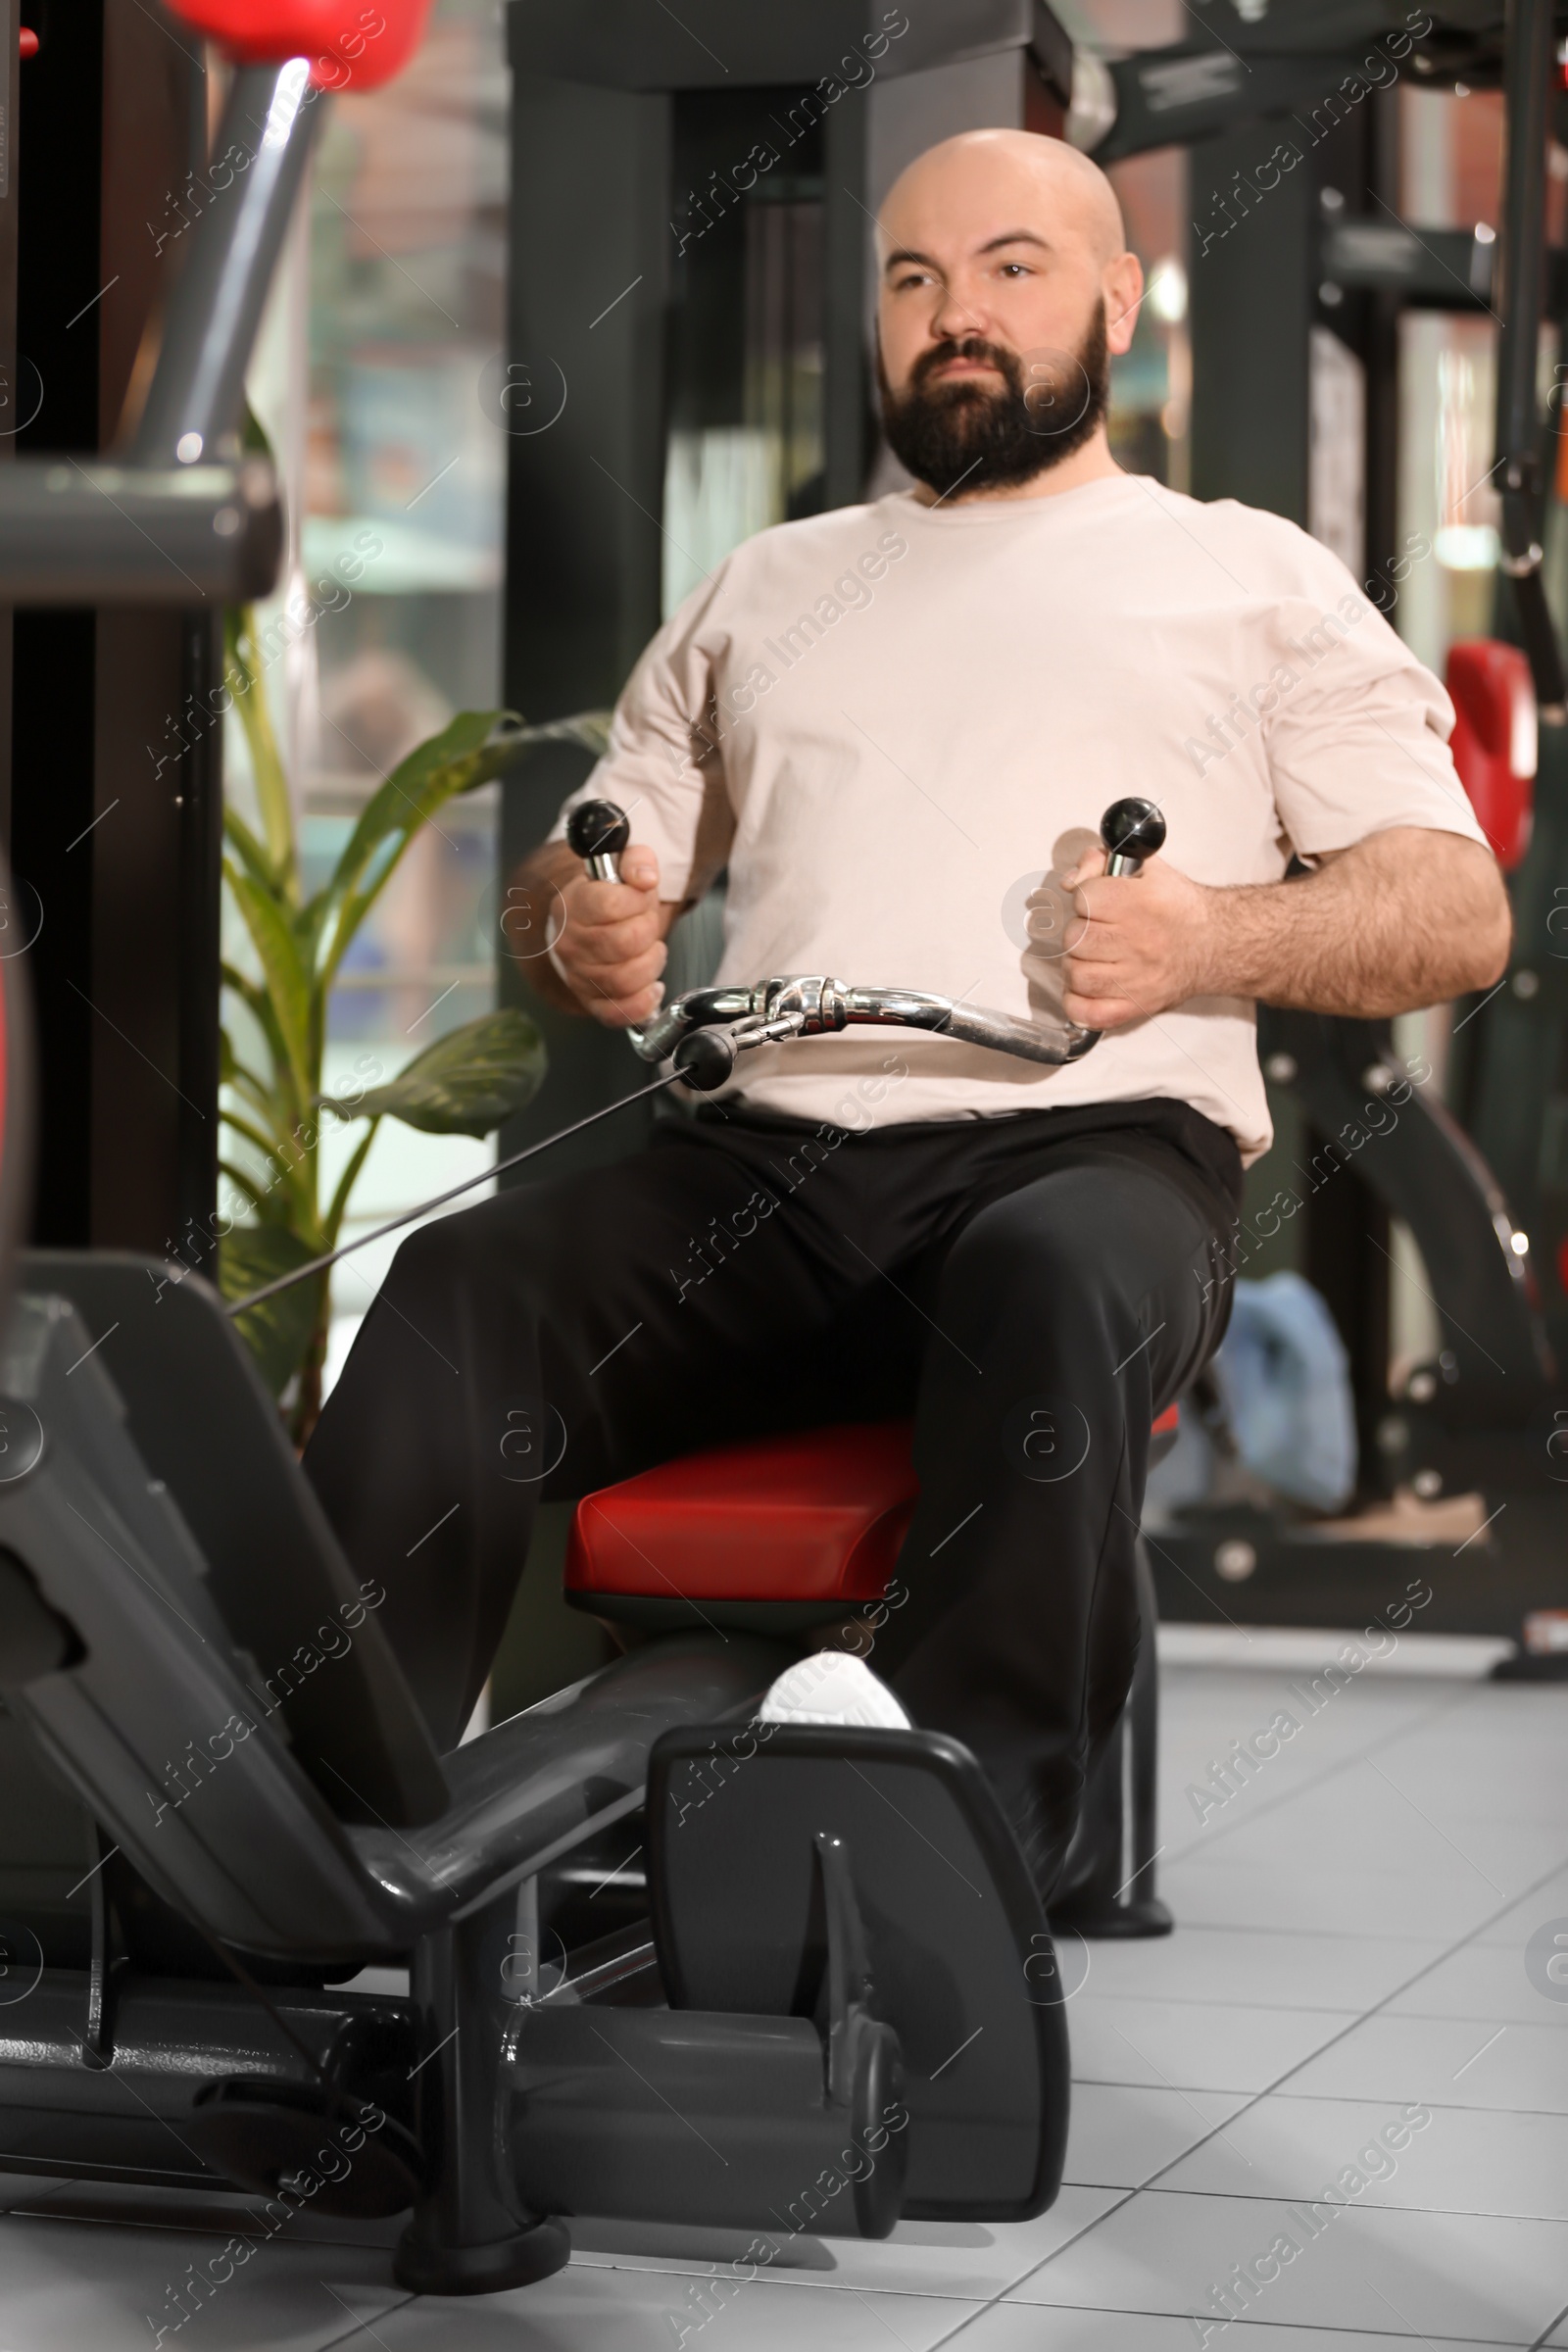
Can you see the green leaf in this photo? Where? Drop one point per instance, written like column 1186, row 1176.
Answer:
column 288, row 988
column 258, row 1135
column 443, row 764
column 250, row 852
column 253, row 436
column 279, row 1331
column 263, row 1096
column 247, row 688
column 332, row 1222
column 466, row 1083
column 474, row 747
column 589, row 728
column 244, row 1181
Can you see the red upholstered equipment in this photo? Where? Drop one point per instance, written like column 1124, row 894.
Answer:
column 814, row 1515
column 1493, row 741
column 352, row 44
column 811, row 1520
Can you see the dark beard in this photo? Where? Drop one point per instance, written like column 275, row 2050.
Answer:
column 964, row 433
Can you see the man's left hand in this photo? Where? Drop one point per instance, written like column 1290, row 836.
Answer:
column 1141, row 942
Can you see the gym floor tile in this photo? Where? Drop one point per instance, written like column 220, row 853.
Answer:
column 67, row 2286
column 1444, row 2062
column 1207, row 1692
column 1313, row 1758
column 1318, row 1895
column 1376, row 1816
column 1221, row 1706
column 1264, row 1833
column 1480, row 1981
column 586, row 2309
column 1520, row 1711
column 1189, row 1753
column 1480, row 2277
column 1195, row 2045
column 1477, row 1868
column 1510, row 1784
column 1519, row 1922
column 1466, row 2160
column 1122, row 2135
column 968, row 2260
column 1210, row 1703
column 1257, row 1967
column 1335, row 1901
column 1016, row 2328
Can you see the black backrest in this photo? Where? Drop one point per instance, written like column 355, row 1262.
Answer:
column 115, row 1661
column 16, row 1089
column 204, row 1424
column 47, row 1847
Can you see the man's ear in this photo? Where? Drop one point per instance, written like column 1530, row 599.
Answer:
column 1123, row 286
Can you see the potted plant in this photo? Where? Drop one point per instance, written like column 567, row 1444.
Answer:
column 274, row 1216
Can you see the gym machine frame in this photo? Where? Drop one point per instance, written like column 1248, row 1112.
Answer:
column 803, row 1990
column 312, row 1828
column 1483, row 1411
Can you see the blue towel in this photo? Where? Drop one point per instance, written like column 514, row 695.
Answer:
column 1285, row 1381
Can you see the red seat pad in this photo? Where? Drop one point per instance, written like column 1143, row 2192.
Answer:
column 816, row 1515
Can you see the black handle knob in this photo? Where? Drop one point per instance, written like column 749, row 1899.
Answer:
column 1131, row 830
column 705, row 1058
column 598, row 832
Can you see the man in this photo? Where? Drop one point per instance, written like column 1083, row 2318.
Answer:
column 898, row 725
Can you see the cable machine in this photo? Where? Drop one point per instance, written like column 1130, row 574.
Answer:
column 708, row 184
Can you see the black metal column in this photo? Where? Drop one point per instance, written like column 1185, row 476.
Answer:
column 11, row 411
column 846, row 368
column 1252, row 286
column 117, row 769
column 580, row 391
column 1255, row 298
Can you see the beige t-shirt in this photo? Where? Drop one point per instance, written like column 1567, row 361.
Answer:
column 898, row 723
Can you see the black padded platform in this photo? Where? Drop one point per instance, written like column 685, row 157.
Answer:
column 960, row 1958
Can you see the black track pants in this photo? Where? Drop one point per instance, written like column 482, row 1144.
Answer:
column 1035, row 1288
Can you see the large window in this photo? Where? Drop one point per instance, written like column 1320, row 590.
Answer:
column 744, row 444
column 1453, row 156
column 369, row 380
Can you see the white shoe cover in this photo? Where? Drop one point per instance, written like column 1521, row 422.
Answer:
column 830, row 1686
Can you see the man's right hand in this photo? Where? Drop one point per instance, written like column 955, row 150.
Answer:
column 609, row 947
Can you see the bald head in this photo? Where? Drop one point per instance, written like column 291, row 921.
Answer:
column 1038, row 181
column 1006, row 290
